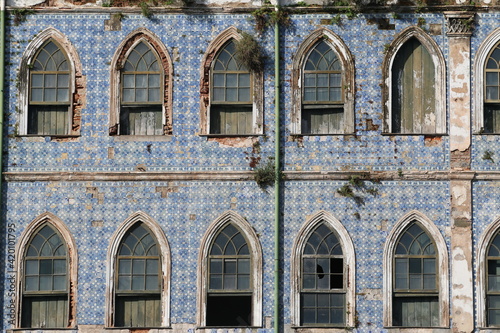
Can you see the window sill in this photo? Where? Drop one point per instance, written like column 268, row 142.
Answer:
column 319, row 329
column 326, row 134
column 477, row 133
column 414, row 134
column 229, row 135
column 418, row 329
column 54, row 330
column 142, row 138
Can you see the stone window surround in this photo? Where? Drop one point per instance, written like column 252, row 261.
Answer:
column 256, row 266
column 442, row 274
column 349, row 269
column 165, row 258
column 117, row 63
column 440, row 77
column 72, row 266
column 205, row 86
column 482, row 270
column 480, row 59
column 77, row 80
column 348, row 77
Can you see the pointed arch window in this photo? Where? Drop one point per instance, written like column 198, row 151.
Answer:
column 138, row 282
column 323, row 285
column 322, row 92
column 49, row 107
column 414, row 87
column 229, row 299
column 141, row 92
column 45, row 282
column 232, row 98
column 492, row 92
column 415, row 289
column 413, row 90
column 493, row 283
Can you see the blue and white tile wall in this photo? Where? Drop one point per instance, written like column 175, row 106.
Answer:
column 185, row 215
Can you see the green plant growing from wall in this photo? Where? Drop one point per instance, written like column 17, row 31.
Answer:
column 265, row 175
column 337, row 20
column 488, row 156
column 269, row 15
column 355, row 188
column 119, row 16
column 20, row 15
column 145, row 10
column 249, row 53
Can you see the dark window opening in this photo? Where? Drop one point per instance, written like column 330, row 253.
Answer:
column 229, row 310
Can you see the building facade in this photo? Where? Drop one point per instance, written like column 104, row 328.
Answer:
column 139, row 145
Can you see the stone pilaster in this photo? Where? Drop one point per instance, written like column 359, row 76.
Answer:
column 459, row 29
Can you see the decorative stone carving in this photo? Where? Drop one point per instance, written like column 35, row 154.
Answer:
column 459, row 25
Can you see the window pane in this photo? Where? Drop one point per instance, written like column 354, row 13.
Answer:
column 31, row 267
column 31, row 283
column 229, row 266
column 152, row 282
column 60, row 282
column 141, row 95
column 37, row 80
column 59, row 266
column 49, row 95
column 244, row 80
column 216, row 265
column 231, row 80
column 46, row 282
column 229, row 281
column 243, row 282
column 63, row 80
column 138, row 266
column 152, row 266
column 124, row 266
column 46, row 266
column 128, row 80
column 138, row 282
column 492, row 79
column 244, row 266
column 124, row 282
column 50, row 80
column 231, row 95
column 36, row 95
column 215, row 281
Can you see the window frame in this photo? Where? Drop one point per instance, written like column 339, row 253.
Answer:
column 480, row 60
column 482, row 271
column 323, row 217
column 442, row 268
column 206, row 88
column 71, row 265
column 164, row 263
column 166, row 81
column 255, row 250
column 348, row 80
column 439, row 74
column 76, row 84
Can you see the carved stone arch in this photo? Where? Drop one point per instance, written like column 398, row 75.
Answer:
column 119, row 58
column 478, row 69
column 482, row 270
column 78, row 82
column 206, row 65
column 165, row 254
column 349, row 264
column 345, row 56
column 48, row 218
column 230, row 217
column 440, row 75
column 427, row 225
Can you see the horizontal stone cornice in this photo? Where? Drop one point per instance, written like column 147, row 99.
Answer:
column 414, row 175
